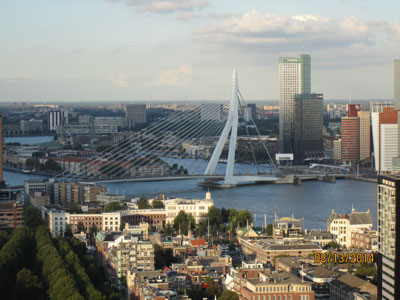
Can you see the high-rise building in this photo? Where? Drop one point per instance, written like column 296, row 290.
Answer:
column 387, row 139
column 294, row 78
column 253, row 109
column 396, row 84
column 375, row 109
column 135, row 114
column 365, row 134
column 308, row 127
column 56, row 118
column 388, row 237
column 350, row 139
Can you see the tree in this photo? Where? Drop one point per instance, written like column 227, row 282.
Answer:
column 214, row 215
column 157, row 204
column 75, row 210
column 229, row 295
column 225, row 215
column 143, row 203
column 32, row 217
column 81, row 227
column 112, row 206
column 367, row 271
column 169, row 230
column 332, row 245
column 51, row 165
column 181, row 222
column 28, row 286
column 239, row 218
column 269, row 230
column 213, row 289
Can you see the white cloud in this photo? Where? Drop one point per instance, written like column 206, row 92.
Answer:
column 181, row 76
column 276, row 33
column 120, row 80
column 165, row 6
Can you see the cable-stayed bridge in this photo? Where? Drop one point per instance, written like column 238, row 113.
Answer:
column 188, row 144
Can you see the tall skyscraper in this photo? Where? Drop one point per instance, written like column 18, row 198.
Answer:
column 388, row 237
column 396, row 88
column 365, row 134
column 308, row 127
column 294, row 78
column 135, row 114
column 350, row 139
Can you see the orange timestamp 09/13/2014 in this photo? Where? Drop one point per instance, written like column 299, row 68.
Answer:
column 344, row 257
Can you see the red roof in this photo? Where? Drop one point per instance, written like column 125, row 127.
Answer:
column 200, row 242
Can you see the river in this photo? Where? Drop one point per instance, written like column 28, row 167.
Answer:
column 313, row 200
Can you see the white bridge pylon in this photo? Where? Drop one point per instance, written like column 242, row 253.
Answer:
column 230, row 127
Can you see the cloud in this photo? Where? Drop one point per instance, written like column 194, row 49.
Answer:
column 120, row 81
column 165, row 6
column 190, row 15
column 181, row 76
column 276, row 33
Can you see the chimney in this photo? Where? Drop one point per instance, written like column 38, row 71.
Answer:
column 1, row 149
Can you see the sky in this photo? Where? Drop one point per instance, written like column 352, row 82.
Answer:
column 134, row 50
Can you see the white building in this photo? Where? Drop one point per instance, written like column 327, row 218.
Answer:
column 56, row 118
column 58, row 219
column 384, row 136
column 343, row 225
column 104, row 198
column 294, row 78
column 198, row 208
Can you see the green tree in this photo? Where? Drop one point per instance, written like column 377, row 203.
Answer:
column 214, row 215
column 157, row 204
column 143, row 203
column 332, row 245
column 32, row 217
column 225, row 215
column 269, row 230
column 367, row 271
column 239, row 218
column 51, row 165
column 28, row 286
column 213, row 289
column 81, row 227
column 228, row 295
column 75, row 210
column 182, row 221
column 169, row 230
column 112, row 206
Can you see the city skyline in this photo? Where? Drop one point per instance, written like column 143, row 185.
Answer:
column 93, row 50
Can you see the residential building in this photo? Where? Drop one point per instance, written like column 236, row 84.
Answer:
column 56, row 118
column 294, row 78
column 135, row 114
column 1, row 149
column 11, row 215
column 31, row 126
column 57, row 219
column 343, row 225
column 396, row 85
column 319, row 237
column 253, row 110
column 364, row 239
column 308, row 124
column 388, row 237
column 119, row 253
column 337, row 150
column 154, row 217
column 319, row 276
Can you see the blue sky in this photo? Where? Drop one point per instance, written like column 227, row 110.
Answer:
column 186, row 49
